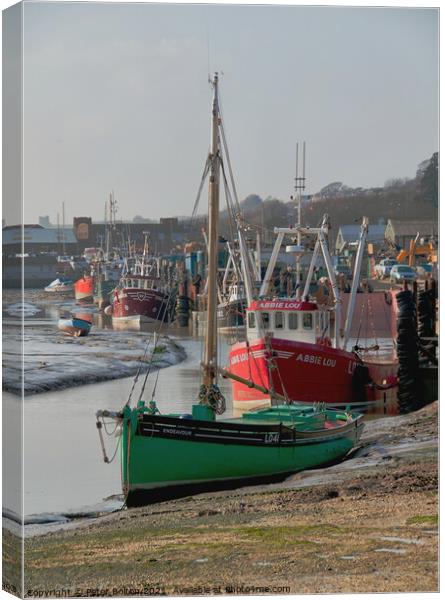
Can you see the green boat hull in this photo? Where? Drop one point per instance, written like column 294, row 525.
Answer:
column 160, row 464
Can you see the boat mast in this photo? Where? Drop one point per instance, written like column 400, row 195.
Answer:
column 210, row 347
column 63, row 229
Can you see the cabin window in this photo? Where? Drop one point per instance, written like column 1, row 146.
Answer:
column 293, row 320
column 307, row 321
column 251, row 320
column 279, row 321
column 265, row 318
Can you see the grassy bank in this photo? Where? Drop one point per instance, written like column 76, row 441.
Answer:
column 372, row 528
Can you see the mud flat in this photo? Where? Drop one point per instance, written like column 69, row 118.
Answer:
column 369, row 524
column 54, row 361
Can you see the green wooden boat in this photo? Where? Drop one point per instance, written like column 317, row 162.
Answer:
column 165, row 456
column 174, row 455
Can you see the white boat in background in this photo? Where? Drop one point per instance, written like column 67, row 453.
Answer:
column 61, row 285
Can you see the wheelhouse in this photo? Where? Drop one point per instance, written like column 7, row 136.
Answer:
column 140, row 282
column 288, row 319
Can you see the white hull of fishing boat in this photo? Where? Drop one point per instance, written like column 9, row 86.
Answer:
column 132, row 322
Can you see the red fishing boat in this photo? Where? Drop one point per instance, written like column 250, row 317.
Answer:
column 141, row 297
column 84, row 288
column 137, row 300
column 297, row 348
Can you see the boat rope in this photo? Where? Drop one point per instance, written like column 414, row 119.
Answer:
column 150, row 364
column 110, row 433
column 248, row 359
column 155, row 385
column 213, row 397
column 142, row 361
column 100, row 424
column 272, row 359
column 201, row 185
column 226, row 152
column 258, row 371
column 231, row 216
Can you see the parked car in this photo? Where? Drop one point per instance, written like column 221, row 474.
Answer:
column 383, row 269
column 424, row 270
column 400, row 273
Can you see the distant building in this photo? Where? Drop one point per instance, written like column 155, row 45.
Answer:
column 164, row 237
column 44, row 221
column 38, row 239
column 348, row 234
column 399, row 233
column 83, row 230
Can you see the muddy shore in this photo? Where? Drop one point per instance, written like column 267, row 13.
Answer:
column 369, row 524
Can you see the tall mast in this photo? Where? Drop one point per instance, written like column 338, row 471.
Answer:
column 59, row 239
column 105, row 229
column 210, row 348
column 63, row 229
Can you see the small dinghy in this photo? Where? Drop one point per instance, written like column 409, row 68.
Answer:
column 61, row 285
column 75, row 327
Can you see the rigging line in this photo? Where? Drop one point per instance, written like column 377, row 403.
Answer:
column 231, row 217
column 201, row 185
column 167, row 305
column 141, row 362
column 155, row 384
column 231, row 213
column 232, row 208
column 110, row 460
column 109, row 433
column 229, row 164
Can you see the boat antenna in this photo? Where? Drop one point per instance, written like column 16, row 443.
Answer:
column 300, row 185
column 208, row 55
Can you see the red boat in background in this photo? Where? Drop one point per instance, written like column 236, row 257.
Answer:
column 297, row 349
column 138, row 300
column 141, row 296
column 84, row 288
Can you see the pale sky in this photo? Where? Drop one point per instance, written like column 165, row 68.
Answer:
column 116, row 97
